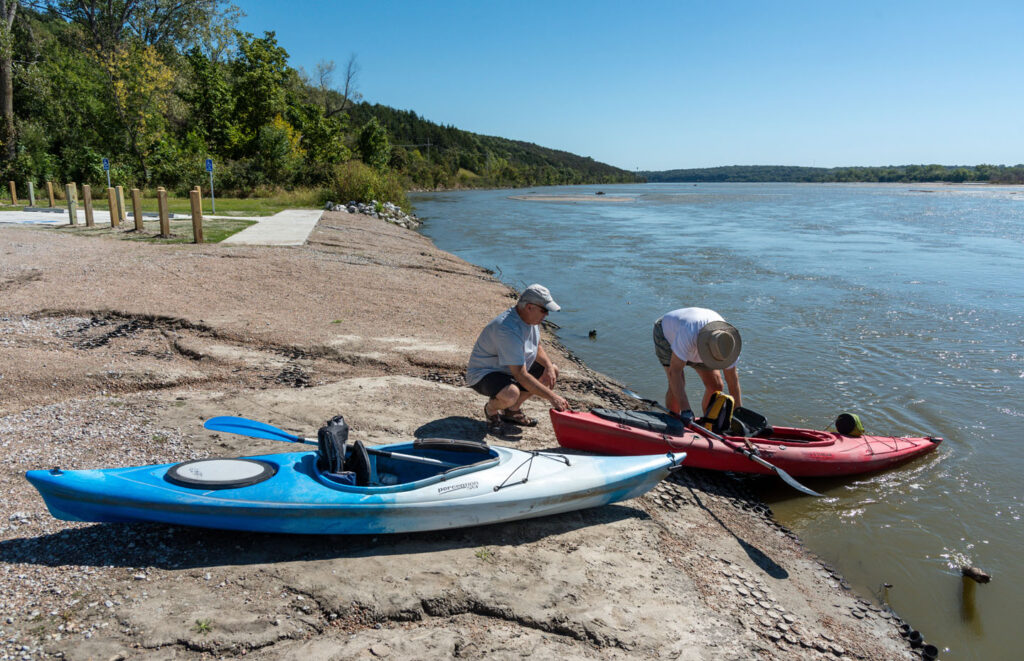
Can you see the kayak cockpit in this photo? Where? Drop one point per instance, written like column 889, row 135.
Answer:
column 406, row 466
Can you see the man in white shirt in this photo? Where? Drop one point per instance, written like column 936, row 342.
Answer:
column 509, row 365
column 700, row 338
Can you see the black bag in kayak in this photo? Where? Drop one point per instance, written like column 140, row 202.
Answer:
column 331, row 441
column 749, row 423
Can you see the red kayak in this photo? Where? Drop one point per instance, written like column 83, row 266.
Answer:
column 800, row 452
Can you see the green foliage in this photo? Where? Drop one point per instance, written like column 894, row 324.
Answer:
column 432, row 155
column 260, row 72
column 210, row 102
column 373, row 144
column 355, row 181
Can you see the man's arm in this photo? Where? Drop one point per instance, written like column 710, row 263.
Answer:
column 677, row 384
column 732, row 379
column 531, row 383
column 550, row 375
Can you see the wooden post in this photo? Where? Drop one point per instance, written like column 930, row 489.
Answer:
column 137, row 209
column 165, row 221
column 122, row 213
column 87, row 201
column 49, row 192
column 69, row 193
column 197, row 215
column 115, row 220
column 31, row 194
column 14, row 193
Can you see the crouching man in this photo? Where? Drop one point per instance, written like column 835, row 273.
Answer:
column 509, row 365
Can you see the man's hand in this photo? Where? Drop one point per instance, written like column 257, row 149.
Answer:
column 560, row 404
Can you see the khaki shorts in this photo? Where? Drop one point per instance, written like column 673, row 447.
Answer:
column 663, row 350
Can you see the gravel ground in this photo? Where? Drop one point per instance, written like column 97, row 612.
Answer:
column 112, row 353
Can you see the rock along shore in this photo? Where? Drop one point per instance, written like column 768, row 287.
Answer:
column 112, row 353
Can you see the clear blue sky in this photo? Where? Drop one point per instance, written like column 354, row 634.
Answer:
column 686, row 84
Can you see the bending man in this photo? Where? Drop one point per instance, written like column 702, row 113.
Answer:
column 509, row 365
column 700, row 338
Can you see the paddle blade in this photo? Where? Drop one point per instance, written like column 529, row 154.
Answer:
column 254, row 428
column 786, row 477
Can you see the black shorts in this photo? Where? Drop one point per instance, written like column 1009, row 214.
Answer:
column 495, row 382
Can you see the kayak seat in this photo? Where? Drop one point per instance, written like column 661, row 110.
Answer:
column 750, row 424
column 660, row 423
column 358, row 462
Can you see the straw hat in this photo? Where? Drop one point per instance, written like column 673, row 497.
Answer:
column 718, row 344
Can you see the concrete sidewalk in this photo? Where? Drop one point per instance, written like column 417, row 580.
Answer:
column 49, row 217
column 58, row 216
column 290, row 227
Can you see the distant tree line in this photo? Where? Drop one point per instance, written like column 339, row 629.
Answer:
column 996, row 174
column 158, row 86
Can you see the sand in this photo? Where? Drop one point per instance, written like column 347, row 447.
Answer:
column 112, row 353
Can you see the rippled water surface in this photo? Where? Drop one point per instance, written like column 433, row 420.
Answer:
column 904, row 304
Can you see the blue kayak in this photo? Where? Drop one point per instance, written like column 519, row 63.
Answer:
column 424, row 485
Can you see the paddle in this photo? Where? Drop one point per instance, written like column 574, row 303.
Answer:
column 256, row 429
column 749, row 454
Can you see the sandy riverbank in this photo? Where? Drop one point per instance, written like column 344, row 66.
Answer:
column 114, row 352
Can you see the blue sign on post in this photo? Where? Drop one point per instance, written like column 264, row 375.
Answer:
column 213, row 200
column 106, row 168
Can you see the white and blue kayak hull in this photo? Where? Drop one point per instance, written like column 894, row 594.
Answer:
column 297, row 497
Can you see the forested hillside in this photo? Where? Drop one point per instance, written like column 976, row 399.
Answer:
column 465, row 158
column 158, row 86
column 894, row 174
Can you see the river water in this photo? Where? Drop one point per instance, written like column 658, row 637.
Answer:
column 901, row 303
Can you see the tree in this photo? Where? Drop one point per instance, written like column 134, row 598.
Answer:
column 336, row 102
column 260, row 70
column 8, row 10
column 374, row 147
column 141, row 86
column 349, row 93
column 160, row 23
column 210, row 101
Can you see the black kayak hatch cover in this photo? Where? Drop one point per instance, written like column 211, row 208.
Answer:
column 220, row 473
column 660, row 423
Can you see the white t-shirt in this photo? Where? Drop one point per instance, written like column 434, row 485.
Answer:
column 506, row 340
column 681, row 328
